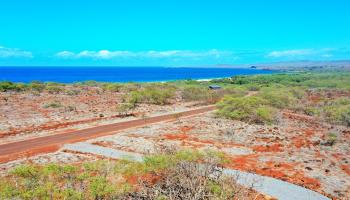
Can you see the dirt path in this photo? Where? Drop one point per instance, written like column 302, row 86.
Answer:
column 26, row 148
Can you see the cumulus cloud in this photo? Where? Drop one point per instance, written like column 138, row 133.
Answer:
column 65, row 54
column 106, row 54
column 308, row 53
column 291, row 53
column 14, row 52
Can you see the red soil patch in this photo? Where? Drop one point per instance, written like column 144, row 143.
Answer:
column 300, row 179
column 185, row 129
column 149, row 178
column 203, row 141
column 309, row 132
column 179, row 136
column 282, row 171
column 194, row 142
column 301, row 141
column 245, row 162
column 346, row 169
column 337, row 156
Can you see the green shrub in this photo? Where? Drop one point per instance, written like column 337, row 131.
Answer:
column 10, row 86
column 203, row 94
column 278, row 97
column 112, row 87
column 53, row 89
column 100, row 188
column 108, row 179
column 91, row 83
column 332, row 138
column 265, row 114
column 249, row 108
column 338, row 111
column 73, row 92
column 37, row 86
column 125, row 108
column 195, row 93
column 156, row 96
column 53, row 105
column 133, row 98
column 149, row 96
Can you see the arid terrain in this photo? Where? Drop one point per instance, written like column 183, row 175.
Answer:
column 295, row 145
column 30, row 112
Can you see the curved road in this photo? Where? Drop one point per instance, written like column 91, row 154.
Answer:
column 51, row 143
column 266, row 185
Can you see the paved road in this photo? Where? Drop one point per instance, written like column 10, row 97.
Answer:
column 30, row 147
column 266, row 185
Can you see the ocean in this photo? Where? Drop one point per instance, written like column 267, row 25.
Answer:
column 118, row 74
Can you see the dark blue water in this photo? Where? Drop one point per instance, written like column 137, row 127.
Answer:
column 117, row 74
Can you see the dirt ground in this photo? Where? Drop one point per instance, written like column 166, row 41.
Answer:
column 294, row 151
column 25, row 115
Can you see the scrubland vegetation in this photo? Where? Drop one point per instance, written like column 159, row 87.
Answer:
column 179, row 175
column 256, row 99
column 323, row 95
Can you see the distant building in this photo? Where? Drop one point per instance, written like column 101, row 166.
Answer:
column 214, row 87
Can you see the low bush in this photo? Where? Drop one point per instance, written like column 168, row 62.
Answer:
column 112, row 87
column 73, row 92
column 180, row 175
column 279, row 97
column 53, row 105
column 250, row 109
column 195, row 93
column 10, row 86
column 125, row 108
column 53, row 89
column 205, row 95
column 37, row 86
column 338, row 111
column 149, row 96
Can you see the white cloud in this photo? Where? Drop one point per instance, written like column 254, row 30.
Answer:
column 306, row 53
column 291, row 53
column 106, row 54
column 13, row 52
column 65, row 54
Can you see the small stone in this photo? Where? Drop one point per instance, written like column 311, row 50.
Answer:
column 308, row 168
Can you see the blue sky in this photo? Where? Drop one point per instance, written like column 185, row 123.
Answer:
column 172, row 32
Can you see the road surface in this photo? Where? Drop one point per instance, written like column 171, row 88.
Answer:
column 46, row 144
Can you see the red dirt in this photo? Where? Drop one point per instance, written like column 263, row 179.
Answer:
column 346, row 169
column 15, row 150
column 179, row 136
column 283, row 171
column 149, row 178
column 301, row 141
column 53, row 126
